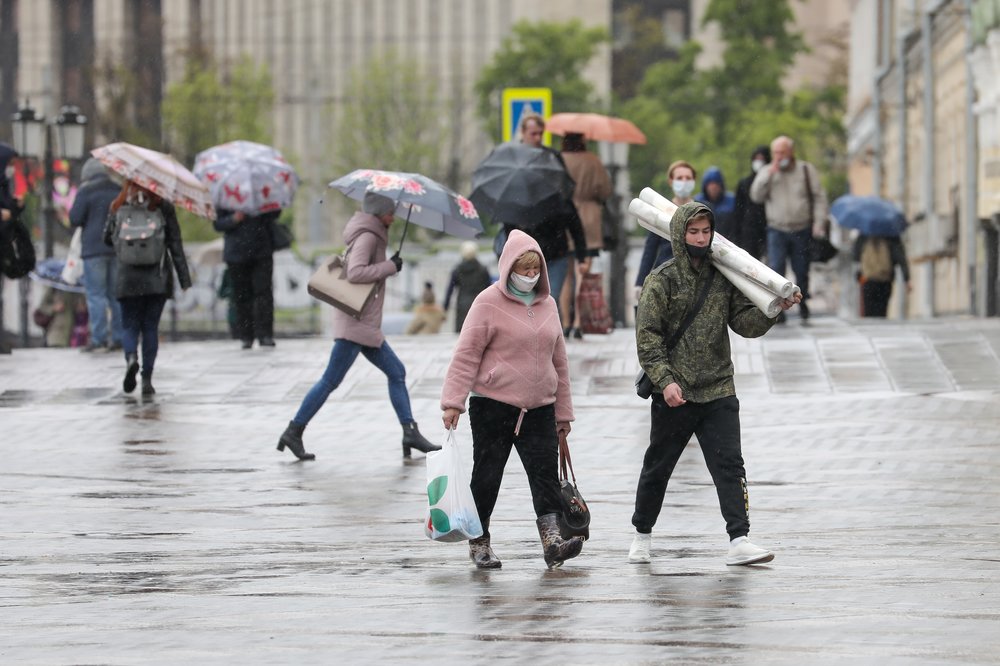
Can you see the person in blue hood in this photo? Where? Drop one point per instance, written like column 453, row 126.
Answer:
column 723, row 203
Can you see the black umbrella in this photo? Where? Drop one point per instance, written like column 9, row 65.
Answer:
column 517, row 184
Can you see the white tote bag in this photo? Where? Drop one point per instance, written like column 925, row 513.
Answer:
column 451, row 509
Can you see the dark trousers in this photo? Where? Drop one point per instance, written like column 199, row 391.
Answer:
column 253, row 298
column 141, row 319
column 875, row 298
column 785, row 247
column 537, row 444
column 717, row 425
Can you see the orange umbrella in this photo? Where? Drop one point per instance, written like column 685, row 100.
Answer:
column 596, row 127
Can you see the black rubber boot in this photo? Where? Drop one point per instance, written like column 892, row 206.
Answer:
column 131, row 370
column 557, row 550
column 292, row 438
column 147, row 385
column 412, row 439
column 482, row 555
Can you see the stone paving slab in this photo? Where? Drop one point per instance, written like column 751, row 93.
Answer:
column 169, row 529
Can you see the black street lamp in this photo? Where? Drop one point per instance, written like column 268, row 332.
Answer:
column 34, row 137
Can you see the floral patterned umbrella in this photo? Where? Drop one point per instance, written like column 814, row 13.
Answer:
column 419, row 199
column 247, row 176
column 159, row 173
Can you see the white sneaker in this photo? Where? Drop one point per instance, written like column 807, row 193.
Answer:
column 741, row 551
column 639, row 552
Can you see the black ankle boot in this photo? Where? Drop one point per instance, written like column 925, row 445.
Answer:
column 147, row 385
column 131, row 370
column 412, row 439
column 292, row 438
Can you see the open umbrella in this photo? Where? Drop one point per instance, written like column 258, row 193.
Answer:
column 596, row 127
column 247, row 176
column 872, row 216
column 516, row 182
column 159, row 173
column 49, row 273
column 419, row 199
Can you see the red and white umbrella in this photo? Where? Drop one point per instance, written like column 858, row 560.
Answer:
column 247, row 176
column 159, row 173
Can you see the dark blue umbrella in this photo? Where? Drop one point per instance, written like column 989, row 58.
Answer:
column 872, row 216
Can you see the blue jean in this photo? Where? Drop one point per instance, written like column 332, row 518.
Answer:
column 99, row 276
column 783, row 246
column 342, row 358
column 141, row 318
column 557, row 276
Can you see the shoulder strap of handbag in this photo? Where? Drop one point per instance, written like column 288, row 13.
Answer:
column 809, row 191
column 675, row 338
column 347, row 253
column 565, row 462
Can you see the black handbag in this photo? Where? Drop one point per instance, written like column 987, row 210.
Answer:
column 821, row 250
column 281, row 236
column 643, row 384
column 574, row 519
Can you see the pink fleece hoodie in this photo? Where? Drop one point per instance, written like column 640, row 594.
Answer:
column 509, row 351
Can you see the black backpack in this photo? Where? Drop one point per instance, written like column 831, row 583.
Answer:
column 17, row 252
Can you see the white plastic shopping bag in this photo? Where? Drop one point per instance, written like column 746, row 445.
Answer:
column 73, row 270
column 451, row 510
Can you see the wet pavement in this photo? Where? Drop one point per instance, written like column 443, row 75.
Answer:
column 169, row 529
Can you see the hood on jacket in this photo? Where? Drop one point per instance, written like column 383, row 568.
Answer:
column 712, row 175
column 763, row 151
column 678, row 227
column 362, row 222
column 517, row 244
column 7, row 153
column 92, row 169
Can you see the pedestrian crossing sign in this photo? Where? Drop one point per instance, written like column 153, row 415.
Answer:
column 518, row 102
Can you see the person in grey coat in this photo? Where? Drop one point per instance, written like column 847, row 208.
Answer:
column 143, row 291
column 366, row 236
column 100, row 269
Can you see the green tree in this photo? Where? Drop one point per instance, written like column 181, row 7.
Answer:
column 207, row 107
column 116, row 117
column 550, row 55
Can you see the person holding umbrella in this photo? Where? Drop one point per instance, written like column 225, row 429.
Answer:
column 145, row 278
column 366, row 236
column 250, row 184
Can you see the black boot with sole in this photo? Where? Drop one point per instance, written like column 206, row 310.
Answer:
column 131, row 370
column 557, row 550
column 292, row 438
column 412, row 439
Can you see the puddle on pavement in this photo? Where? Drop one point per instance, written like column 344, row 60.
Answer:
column 86, row 394
column 14, row 398
column 130, row 495
column 129, row 535
column 210, row 470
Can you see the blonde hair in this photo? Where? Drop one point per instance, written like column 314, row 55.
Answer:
column 528, row 260
column 680, row 163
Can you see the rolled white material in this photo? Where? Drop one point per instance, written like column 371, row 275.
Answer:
column 763, row 286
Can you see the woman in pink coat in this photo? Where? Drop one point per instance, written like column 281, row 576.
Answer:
column 511, row 358
column 366, row 235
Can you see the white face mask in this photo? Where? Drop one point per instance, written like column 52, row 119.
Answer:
column 523, row 282
column 757, row 164
column 784, row 163
column 683, row 188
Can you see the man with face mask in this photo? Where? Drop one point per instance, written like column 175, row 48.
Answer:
column 796, row 209
column 692, row 377
column 750, row 219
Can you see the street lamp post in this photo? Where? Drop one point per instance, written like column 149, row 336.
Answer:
column 34, row 137
column 615, row 159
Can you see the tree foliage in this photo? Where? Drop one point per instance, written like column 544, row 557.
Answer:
column 208, row 106
column 719, row 115
column 549, row 55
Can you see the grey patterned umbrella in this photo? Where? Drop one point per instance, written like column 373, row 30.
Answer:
column 419, row 199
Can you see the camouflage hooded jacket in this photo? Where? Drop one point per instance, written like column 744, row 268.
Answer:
column 701, row 363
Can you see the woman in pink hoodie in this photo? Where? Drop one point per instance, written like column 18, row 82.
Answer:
column 511, row 358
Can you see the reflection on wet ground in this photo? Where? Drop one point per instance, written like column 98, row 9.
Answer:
column 168, row 528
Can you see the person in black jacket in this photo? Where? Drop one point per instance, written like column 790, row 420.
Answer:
column 750, row 218
column 248, row 252
column 100, row 268
column 469, row 277
column 142, row 291
column 10, row 210
column 557, row 219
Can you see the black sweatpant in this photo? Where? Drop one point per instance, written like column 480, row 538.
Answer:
column 717, row 425
column 537, row 444
column 875, row 296
column 253, row 298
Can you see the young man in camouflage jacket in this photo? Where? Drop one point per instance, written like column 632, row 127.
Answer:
column 694, row 390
